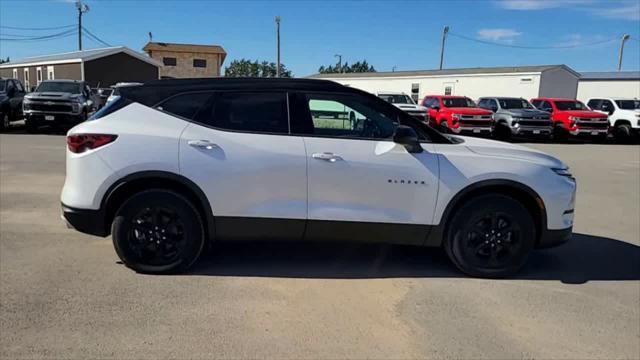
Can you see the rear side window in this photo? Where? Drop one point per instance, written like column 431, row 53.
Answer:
column 185, row 105
column 247, row 111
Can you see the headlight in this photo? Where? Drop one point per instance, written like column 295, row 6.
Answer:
column 638, row 115
column 563, row 172
column 26, row 100
column 455, row 116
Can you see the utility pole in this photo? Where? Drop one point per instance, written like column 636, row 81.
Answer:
column 445, row 30
column 339, row 62
column 82, row 8
column 625, row 37
column 278, row 36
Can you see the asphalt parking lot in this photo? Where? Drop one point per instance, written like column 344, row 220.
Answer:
column 64, row 294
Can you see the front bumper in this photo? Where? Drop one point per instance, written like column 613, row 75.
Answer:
column 58, row 118
column 551, row 238
column 472, row 129
column 84, row 220
column 532, row 130
column 589, row 132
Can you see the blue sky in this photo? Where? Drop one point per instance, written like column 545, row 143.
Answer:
column 404, row 34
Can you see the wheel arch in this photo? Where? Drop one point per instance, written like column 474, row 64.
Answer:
column 519, row 191
column 131, row 184
column 622, row 122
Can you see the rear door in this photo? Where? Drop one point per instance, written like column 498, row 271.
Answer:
column 362, row 185
column 239, row 151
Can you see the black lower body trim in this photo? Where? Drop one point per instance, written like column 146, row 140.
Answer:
column 244, row 228
column 86, row 221
column 551, row 238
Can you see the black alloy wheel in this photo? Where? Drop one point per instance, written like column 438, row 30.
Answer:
column 490, row 236
column 158, row 231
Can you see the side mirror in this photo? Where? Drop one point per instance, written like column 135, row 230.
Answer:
column 33, row 88
column 494, row 108
column 408, row 137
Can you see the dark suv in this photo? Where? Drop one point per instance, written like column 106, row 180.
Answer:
column 11, row 94
column 57, row 102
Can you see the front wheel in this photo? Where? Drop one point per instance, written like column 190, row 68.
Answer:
column 490, row 236
column 622, row 133
column 158, row 231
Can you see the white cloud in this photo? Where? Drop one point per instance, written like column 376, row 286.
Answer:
column 579, row 40
column 540, row 4
column 505, row 35
column 610, row 9
column 624, row 11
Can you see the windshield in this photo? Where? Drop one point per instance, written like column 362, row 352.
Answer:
column 622, row 104
column 458, row 102
column 514, row 104
column 396, row 99
column 66, row 87
column 570, row 105
column 3, row 83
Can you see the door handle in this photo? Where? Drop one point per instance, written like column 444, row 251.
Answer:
column 326, row 156
column 202, row 144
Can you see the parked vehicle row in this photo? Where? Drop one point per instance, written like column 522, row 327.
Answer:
column 504, row 117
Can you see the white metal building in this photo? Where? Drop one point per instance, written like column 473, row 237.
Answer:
column 624, row 84
column 522, row 81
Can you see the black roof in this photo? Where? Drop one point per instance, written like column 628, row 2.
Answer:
column 152, row 92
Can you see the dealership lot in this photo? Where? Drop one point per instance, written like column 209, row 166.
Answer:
column 63, row 294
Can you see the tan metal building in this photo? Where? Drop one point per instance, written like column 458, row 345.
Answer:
column 187, row 60
column 98, row 67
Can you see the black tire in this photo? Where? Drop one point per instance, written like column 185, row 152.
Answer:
column 30, row 126
column 560, row 134
column 5, row 121
column 622, row 133
column 158, row 219
column 502, row 132
column 490, row 236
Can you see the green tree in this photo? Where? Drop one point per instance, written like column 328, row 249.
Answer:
column 248, row 68
column 357, row 67
column 2, row 61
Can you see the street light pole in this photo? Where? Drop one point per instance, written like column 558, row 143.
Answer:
column 82, row 8
column 278, row 36
column 625, row 37
column 444, row 36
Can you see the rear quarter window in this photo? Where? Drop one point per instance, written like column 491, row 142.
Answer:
column 185, row 105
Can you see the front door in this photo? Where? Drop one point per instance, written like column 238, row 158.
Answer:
column 253, row 173
column 362, row 185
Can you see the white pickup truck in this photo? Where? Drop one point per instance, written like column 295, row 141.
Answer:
column 624, row 115
column 405, row 103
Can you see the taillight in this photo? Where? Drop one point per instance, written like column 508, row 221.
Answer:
column 78, row 143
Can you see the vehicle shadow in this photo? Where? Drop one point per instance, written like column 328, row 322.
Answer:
column 585, row 258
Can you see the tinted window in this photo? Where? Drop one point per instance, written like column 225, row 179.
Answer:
column 253, row 112
column 169, row 61
column 396, row 99
column 199, row 63
column 594, row 104
column 570, row 105
column 514, row 104
column 628, row 104
column 349, row 116
column 457, row 102
column 185, row 105
column 67, row 87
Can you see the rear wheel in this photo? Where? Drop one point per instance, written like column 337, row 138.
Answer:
column 158, row 231
column 490, row 236
column 502, row 131
column 560, row 134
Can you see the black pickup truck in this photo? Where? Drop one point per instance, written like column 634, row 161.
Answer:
column 57, row 103
column 11, row 94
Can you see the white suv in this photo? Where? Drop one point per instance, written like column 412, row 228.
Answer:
column 174, row 164
column 624, row 115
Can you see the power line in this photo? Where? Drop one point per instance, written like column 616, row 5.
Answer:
column 45, row 37
column 37, row 29
column 94, row 37
column 531, row 47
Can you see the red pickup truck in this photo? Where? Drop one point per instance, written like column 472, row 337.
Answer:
column 572, row 117
column 457, row 114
